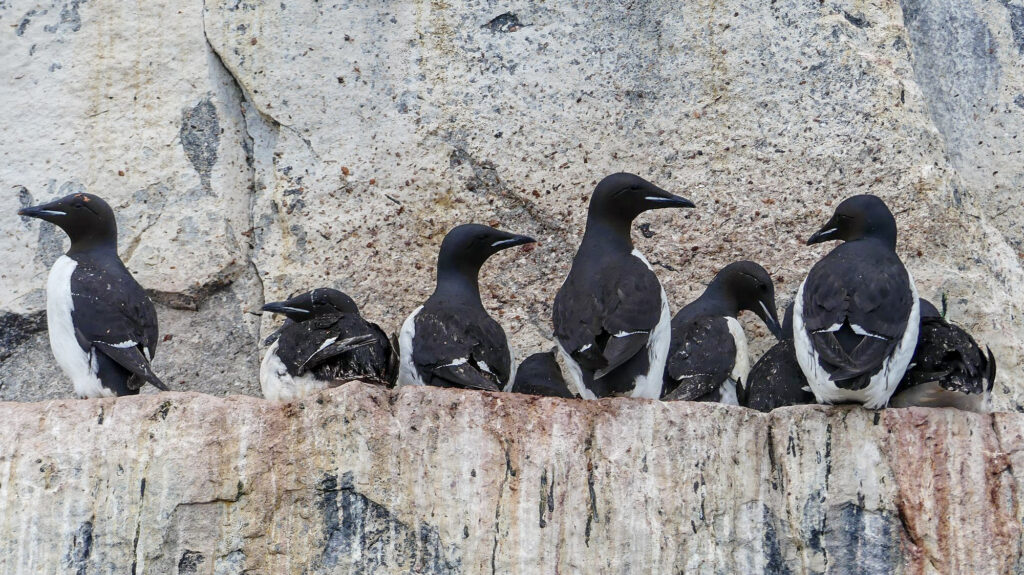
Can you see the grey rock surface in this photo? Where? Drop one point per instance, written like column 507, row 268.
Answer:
column 426, row 480
column 256, row 149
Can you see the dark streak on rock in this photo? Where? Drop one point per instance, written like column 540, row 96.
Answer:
column 507, row 22
column 646, row 231
column 862, row 541
column 1019, row 100
column 365, row 533
column 857, row 20
column 592, row 516
column 190, row 562
column 77, row 556
column 200, row 138
column 1016, row 24
column 16, row 328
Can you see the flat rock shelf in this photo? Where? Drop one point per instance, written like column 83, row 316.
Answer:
column 425, row 480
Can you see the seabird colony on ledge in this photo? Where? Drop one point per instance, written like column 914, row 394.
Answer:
column 856, row 332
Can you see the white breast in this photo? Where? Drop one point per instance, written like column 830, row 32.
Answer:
column 78, row 365
column 407, row 372
column 279, row 385
column 649, row 385
column 740, row 366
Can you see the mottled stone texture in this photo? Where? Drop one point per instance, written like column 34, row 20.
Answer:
column 254, row 149
column 365, row 480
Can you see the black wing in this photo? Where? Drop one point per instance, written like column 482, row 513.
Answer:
column 373, row 360
column 863, row 288
column 776, row 380
column 701, row 356
column 610, row 317
column 460, row 346
column 949, row 355
column 114, row 316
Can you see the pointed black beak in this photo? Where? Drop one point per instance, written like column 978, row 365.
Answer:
column 283, row 307
column 656, row 198
column 511, row 241
column 50, row 212
column 770, row 318
column 828, row 232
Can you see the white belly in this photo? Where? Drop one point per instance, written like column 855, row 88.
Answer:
column 740, row 366
column 881, row 385
column 78, row 365
column 407, row 373
column 649, row 384
column 279, row 385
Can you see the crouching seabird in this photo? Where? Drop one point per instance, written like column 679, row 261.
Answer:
column 539, row 374
column 948, row 369
column 324, row 343
column 856, row 317
column 102, row 325
column 776, row 379
column 451, row 341
column 611, row 315
column 708, row 355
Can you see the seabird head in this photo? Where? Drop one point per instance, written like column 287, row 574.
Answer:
column 318, row 302
column 747, row 286
column 85, row 218
column 863, row 216
column 622, row 197
column 465, row 249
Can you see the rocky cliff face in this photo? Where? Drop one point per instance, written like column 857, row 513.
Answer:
column 365, row 480
column 256, row 149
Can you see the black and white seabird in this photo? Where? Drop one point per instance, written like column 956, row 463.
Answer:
column 540, row 374
column 324, row 343
column 102, row 325
column 708, row 355
column 611, row 315
column 948, row 370
column 776, row 380
column 451, row 341
column 856, row 315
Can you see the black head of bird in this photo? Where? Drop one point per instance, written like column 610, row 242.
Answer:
column 747, row 286
column 859, row 217
column 465, row 249
column 319, row 302
column 619, row 198
column 86, row 219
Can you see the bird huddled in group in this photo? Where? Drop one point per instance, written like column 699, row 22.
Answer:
column 611, row 316
column 324, row 343
column 451, row 340
column 948, row 368
column 856, row 331
column 855, row 318
column 102, row 325
column 776, row 379
column 708, row 356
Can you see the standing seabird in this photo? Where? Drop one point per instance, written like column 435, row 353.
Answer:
column 324, row 343
column 102, row 325
column 948, row 370
column 611, row 315
column 708, row 355
column 856, row 315
column 539, row 374
column 451, row 341
column 776, row 380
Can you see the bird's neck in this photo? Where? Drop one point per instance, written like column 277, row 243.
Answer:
column 94, row 245
column 610, row 233
column 458, row 284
